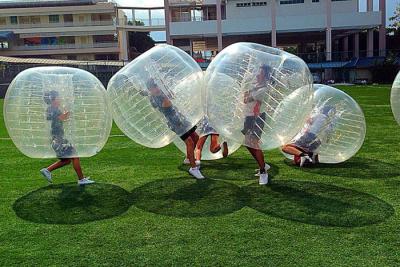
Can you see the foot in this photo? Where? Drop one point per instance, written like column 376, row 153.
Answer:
column 195, row 172
column 47, row 174
column 267, row 167
column 85, row 181
column 225, row 150
column 304, row 160
column 263, row 179
column 198, row 162
column 315, row 159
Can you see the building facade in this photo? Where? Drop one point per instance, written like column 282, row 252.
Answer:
column 327, row 34
column 73, row 29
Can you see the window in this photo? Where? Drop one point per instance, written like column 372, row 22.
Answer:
column 35, row 19
column 339, row 0
column 24, row 20
column 14, row 20
column 289, row 2
column 68, row 18
column 3, row 45
column 3, row 21
column 315, row 1
column 54, row 19
column 243, row 4
column 259, row 3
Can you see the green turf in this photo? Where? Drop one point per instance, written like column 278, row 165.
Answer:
column 146, row 210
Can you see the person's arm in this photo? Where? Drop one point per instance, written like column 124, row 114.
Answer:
column 166, row 103
column 64, row 116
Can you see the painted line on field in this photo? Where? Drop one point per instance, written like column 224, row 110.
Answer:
column 113, row 135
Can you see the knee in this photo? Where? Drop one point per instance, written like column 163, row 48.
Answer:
column 66, row 161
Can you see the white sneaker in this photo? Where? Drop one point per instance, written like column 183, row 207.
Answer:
column 267, row 167
column 263, row 179
column 196, row 173
column 47, row 174
column 304, row 160
column 85, row 180
column 198, row 162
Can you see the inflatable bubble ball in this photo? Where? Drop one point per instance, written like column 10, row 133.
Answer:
column 395, row 98
column 57, row 112
column 158, row 96
column 258, row 96
column 335, row 129
column 205, row 129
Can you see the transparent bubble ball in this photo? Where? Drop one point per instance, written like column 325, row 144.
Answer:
column 58, row 112
column 205, row 129
column 258, row 96
column 395, row 98
column 335, row 128
column 156, row 98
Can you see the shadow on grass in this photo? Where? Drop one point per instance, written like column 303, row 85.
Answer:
column 233, row 169
column 72, row 204
column 184, row 197
column 318, row 204
column 354, row 168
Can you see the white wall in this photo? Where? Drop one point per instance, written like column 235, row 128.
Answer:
column 194, row 28
column 290, row 18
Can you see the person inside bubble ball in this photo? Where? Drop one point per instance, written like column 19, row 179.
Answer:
column 255, row 120
column 63, row 148
column 176, row 122
column 317, row 130
column 205, row 131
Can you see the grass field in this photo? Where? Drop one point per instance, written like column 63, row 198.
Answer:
column 146, row 210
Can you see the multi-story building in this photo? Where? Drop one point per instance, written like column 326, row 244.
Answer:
column 70, row 29
column 327, row 34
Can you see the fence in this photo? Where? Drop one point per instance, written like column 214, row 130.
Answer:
column 9, row 70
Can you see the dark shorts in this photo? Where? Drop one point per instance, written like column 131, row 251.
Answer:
column 188, row 133
column 308, row 142
column 254, row 125
column 176, row 122
column 63, row 148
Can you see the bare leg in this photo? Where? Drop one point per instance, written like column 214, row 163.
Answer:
column 258, row 155
column 190, row 145
column 292, row 150
column 199, row 147
column 195, row 138
column 77, row 167
column 214, row 145
column 58, row 164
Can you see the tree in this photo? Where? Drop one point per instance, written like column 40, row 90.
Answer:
column 139, row 42
column 394, row 26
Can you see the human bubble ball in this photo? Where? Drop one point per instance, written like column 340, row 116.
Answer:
column 58, row 112
column 258, row 96
column 395, row 98
column 335, row 128
column 205, row 129
column 158, row 96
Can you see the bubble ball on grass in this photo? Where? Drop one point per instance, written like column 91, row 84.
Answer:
column 395, row 98
column 335, row 129
column 38, row 98
column 156, row 98
column 204, row 128
column 258, row 96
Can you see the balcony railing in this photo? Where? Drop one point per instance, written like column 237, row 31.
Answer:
column 65, row 46
column 56, row 25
